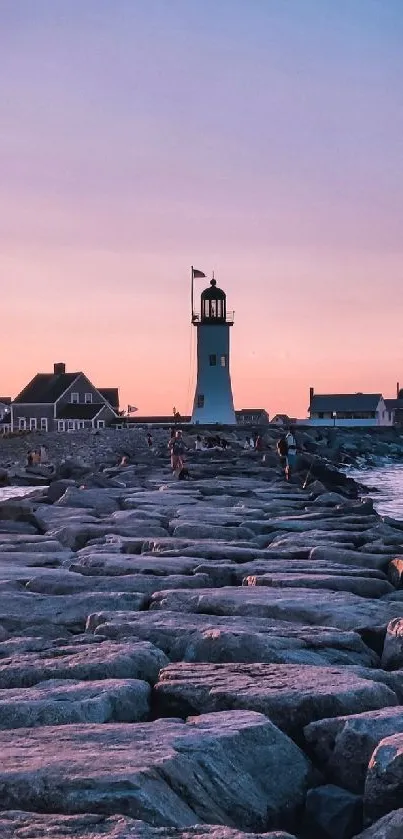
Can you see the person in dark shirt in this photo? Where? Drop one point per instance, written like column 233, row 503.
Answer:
column 177, row 447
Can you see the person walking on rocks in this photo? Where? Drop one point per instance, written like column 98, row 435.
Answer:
column 282, row 451
column 291, row 456
column 177, row 447
column 149, row 440
column 259, row 444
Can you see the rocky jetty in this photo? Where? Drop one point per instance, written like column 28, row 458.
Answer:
column 218, row 658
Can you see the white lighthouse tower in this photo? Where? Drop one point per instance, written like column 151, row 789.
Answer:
column 213, row 402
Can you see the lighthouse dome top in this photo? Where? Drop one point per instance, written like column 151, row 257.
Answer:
column 213, row 292
column 213, row 304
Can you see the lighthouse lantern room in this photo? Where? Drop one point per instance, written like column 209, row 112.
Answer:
column 213, row 402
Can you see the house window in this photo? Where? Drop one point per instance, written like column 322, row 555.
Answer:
column 44, row 424
column 88, row 398
column 32, row 424
column 200, row 401
column 70, row 425
column 61, row 425
column 81, row 424
column 101, row 424
column 75, row 398
column 223, row 361
column 22, row 423
column 213, row 360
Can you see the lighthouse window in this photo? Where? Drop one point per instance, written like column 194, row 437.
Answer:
column 200, row 401
column 213, row 360
column 223, row 361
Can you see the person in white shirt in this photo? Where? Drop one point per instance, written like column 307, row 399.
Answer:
column 291, row 457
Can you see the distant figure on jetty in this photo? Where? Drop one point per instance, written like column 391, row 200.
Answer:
column 282, row 451
column 291, row 457
column 149, row 440
column 43, row 455
column 177, row 447
column 259, row 444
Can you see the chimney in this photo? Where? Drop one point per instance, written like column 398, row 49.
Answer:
column 311, row 393
column 59, row 369
column 397, row 390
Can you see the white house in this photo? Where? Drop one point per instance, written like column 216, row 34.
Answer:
column 348, row 410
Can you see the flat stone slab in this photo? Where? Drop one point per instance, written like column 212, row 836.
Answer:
column 17, row 611
column 15, row 824
column 58, row 702
column 354, row 558
column 235, row 553
column 362, row 586
column 69, row 582
column 291, row 696
column 76, row 535
column 45, row 559
column 228, row 573
column 327, row 608
column 198, row 530
column 198, row 637
column 88, row 662
column 95, row 562
column 231, row 768
column 344, row 745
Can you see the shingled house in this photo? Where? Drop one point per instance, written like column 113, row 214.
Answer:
column 252, row 416
column 61, row 401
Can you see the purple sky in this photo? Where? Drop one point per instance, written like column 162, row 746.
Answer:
column 262, row 139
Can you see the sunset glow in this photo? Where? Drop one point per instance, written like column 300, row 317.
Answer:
column 259, row 139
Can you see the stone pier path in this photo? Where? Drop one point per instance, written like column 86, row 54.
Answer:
column 218, row 659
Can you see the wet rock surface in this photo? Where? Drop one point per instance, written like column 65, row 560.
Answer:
column 216, row 658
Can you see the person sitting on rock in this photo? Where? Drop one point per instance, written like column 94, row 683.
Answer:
column 124, row 460
column 198, row 444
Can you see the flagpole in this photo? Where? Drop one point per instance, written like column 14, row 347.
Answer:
column 191, row 292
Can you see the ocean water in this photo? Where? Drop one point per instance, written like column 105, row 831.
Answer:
column 386, row 483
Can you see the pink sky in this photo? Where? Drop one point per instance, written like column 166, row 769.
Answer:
column 261, row 140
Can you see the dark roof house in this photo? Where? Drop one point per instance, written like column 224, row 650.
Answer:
column 111, row 394
column 61, row 401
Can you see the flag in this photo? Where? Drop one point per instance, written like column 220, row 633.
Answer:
column 131, row 409
column 196, row 273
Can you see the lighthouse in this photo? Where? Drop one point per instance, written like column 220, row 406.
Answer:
column 213, row 402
